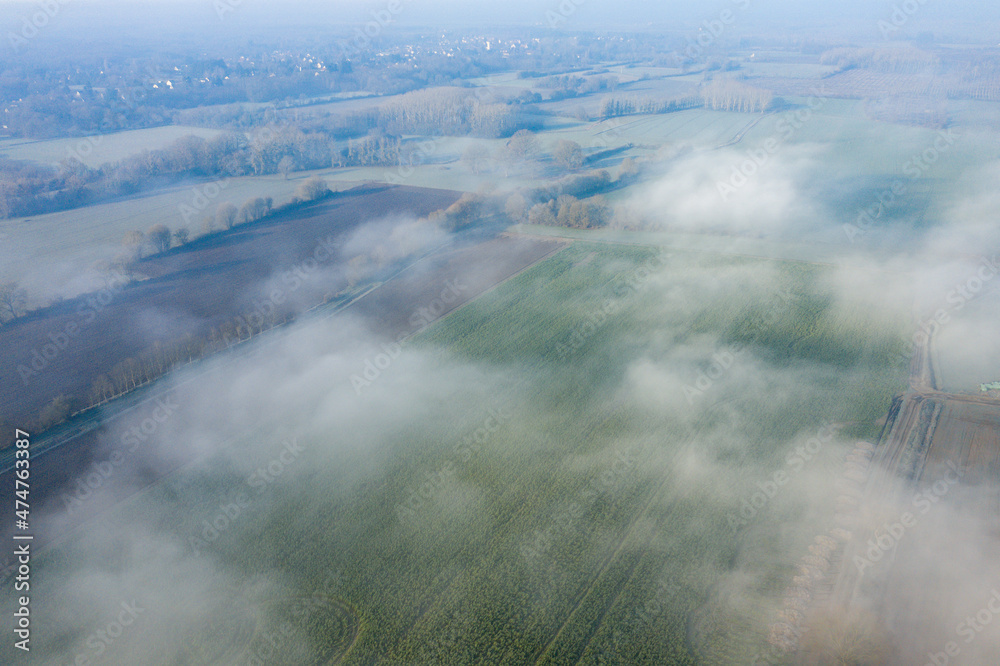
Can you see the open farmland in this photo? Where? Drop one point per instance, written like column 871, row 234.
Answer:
column 194, row 290
column 55, row 253
column 861, row 83
column 935, row 471
column 100, row 148
column 580, row 334
column 406, row 303
column 545, row 491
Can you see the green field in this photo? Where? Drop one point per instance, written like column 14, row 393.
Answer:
column 530, row 482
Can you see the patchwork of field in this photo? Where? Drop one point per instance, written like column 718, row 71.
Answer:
column 918, row 515
column 543, row 476
column 864, row 83
column 55, row 253
column 395, row 310
column 193, row 289
column 907, row 554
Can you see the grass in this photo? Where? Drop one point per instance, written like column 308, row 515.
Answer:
column 54, row 250
column 591, row 525
column 99, row 149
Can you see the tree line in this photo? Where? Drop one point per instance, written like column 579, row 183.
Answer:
column 159, row 238
column 376, row 140
column 615, row 107
column 897, row 60
column 576, row 201
column 31, row 189
column 727, row 94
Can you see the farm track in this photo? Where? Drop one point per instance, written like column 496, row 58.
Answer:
column 926, row 430
column 742, row 133
column 498, row 535
column 597, row 578
column 655, row 495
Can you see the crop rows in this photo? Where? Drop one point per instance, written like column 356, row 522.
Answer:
column 572, row 535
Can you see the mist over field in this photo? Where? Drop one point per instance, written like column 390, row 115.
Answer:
column 499, row 333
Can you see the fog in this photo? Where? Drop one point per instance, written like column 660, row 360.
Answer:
column 160, row 552
column 375, row 465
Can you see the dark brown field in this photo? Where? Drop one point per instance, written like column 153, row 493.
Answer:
column 188, row 292
column 394, row 310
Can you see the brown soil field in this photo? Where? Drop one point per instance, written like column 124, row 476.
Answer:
column 189, row 290
column 96, row 436
column 932, row 440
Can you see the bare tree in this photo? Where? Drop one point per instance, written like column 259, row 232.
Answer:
column 313, row 189
column 475, row 156
column 181, row 236
column 125, row 265
column 516, row 208
column 254, row 209
column 731, row 95
column 12, row 301
column 543, row 214
column 524, row 144
column 159, row 237
column 519, row 149
column 133, row 242
column 226, row 215
column 569, row 154
column 286, row 165
column 54, row 413
column 629, row 169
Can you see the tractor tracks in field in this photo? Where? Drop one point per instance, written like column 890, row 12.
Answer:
column 738, row 138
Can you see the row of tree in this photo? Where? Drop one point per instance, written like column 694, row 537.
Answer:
column 28, row 189
column 376, row 149
column 615, row 107
column 897, row 60
column 373, row 138
column 159, row 238
column 726, row 94
column 565, row 211
column 452, row 112
column 520, row 151
column 162, row 357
